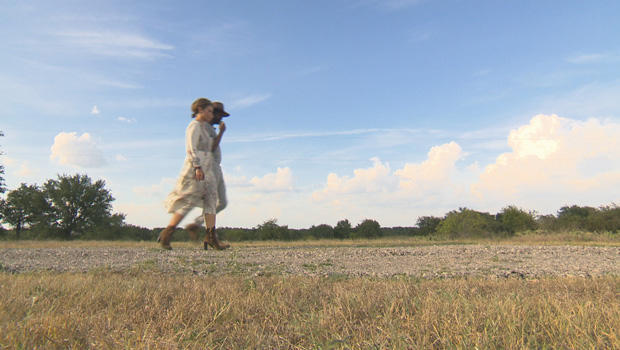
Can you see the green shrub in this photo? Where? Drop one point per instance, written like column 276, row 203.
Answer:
column 574, row 217
column 548, row 223
column 605, row 219
column 270, row 230
column 322, row 231
column 468, row 223
column 513, row 219
column 427, row 225
column 367, row 229
column 236, row 234
column 343, row 229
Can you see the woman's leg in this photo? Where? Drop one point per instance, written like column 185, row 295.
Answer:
column 176, row 219
column 211, row 239
column 166, row 234
column 209, row 220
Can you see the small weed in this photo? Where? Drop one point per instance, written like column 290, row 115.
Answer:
column 311, row 267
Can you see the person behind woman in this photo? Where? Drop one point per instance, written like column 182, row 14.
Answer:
column 219, row 113
column 197, row 182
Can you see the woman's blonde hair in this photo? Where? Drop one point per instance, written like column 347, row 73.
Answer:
column 199, row 104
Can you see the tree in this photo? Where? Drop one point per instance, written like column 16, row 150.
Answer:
column 270, row 230
column 367, row 229
column 468, row 223
column 2, row 185
column 514, row 219
column 574, row 217
column 428, row 224
column 322, row 231
column 112, row 228
column 76, row 204
column 23, row 206
column 343, row 229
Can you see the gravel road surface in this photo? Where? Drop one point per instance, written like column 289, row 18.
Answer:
column 442, row 261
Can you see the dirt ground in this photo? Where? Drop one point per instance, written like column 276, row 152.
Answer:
column 434, row 261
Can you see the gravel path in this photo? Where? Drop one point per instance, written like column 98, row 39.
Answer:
column 427, row 261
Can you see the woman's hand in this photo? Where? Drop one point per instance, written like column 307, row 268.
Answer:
column 199, row 174
column 222, row 127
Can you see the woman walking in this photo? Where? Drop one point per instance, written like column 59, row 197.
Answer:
column 197, row 185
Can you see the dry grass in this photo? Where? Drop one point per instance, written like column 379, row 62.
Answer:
column 147, row 310
column 536, row 238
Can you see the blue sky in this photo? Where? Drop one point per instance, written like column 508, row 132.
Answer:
column 352, row 109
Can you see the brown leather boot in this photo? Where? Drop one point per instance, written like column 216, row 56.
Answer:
column 211, row 239
column 165, row 236
column 193, row 230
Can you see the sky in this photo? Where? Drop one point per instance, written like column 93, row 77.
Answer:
column 381, row 109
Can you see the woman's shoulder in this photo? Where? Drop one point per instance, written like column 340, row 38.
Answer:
column 193, row 124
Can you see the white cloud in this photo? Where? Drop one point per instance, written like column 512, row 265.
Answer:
column 236, row 180
column 159, row 190
column 393, row 133
column 152, row 214
column 114, row 83
column 558, row 158
column 70, row 149
column 592, row 58
column 434, row 171
column 438, row 173
column 598, row 99
column 118, row 44
column 370, row 180
column 126, row 120
column 22, row 169
column 281, row 180
column 426, row 188
column 218, row 36
column 120, row 158
column 95, row 110
column 552, row 162
column 25, row 170
column 249, row 101
column 309, row 71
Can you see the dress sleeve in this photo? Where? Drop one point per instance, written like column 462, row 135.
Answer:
column 192, row 138
column 198, row 156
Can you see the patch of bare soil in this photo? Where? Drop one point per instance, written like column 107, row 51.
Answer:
column 442, row 261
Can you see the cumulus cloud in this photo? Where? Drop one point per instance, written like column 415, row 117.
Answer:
column 434, row 171
column 553, row 155
column 375, row 179
column 95, row 110
column 281, row 180
column 71, row 149
column 436, row 176
column 551, row 162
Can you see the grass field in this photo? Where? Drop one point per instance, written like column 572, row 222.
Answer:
column 141, row 310
column 149, row 309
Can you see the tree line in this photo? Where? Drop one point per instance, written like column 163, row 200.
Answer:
column 76, row 207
